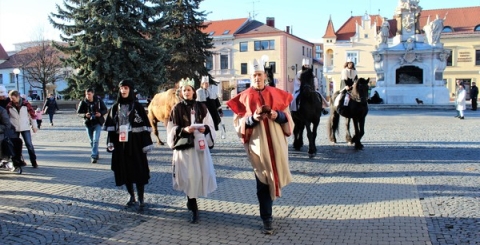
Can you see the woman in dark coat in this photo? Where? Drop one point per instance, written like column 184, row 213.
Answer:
column 129, row 156
column 50, row 107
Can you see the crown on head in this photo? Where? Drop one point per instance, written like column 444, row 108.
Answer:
column 204, row 79
column 187, row 81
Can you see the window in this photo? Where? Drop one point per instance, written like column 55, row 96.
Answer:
column 264, row 45
column 211, row 33
column 477, row 28
column 1, row 78
column 243, row 68
column 450, row 60
column 226, row 32
column 353, row 56
column 243, row 46
column 477, row 57
column 447, row 29
column 209, row 63
column 365, row 36
column 303, row 50
column 223, row 61
column 274, row 68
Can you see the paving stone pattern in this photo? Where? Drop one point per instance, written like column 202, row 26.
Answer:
column 416, row 182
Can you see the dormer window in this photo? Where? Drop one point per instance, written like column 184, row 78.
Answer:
column 477, row 28
column 211, row 33
column 226, row 32
column 447, row 29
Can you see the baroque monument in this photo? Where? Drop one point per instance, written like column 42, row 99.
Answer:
column 412, row 65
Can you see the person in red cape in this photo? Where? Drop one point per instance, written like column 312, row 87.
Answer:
column 263, row 122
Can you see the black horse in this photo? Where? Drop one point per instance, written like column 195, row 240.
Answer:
column 269, row 73
column 356, row 110
column 308, row 113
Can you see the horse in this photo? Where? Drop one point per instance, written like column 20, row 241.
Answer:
column 269, row 73
column 356, row 110
column 159, row 109
column 308, row 113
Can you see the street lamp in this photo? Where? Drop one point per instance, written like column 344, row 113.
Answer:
column 16, row 71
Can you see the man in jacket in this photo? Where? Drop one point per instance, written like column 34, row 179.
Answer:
column 92, row 109
column 22, row 117
column 474, row 96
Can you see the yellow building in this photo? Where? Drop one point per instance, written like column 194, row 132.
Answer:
column 358, row 37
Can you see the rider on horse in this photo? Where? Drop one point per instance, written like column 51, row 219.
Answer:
column 296, row 88
column 349, row 75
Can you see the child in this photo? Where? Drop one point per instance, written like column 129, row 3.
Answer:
column 38, row 115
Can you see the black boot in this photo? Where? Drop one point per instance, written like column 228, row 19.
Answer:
column 140, row 191
column 132, row 200
column 192, row 206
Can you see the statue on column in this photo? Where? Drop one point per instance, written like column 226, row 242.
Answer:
column 384, row 31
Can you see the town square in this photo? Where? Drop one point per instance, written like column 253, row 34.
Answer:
column 184, row 122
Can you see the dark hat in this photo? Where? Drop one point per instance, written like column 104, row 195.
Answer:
column 128, row 83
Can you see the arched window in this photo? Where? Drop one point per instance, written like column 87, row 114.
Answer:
column 477, row 28
column 447, row 29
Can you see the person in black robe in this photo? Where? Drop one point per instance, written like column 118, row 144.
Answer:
column 129, row 156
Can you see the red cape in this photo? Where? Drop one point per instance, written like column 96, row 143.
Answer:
column 249, row 100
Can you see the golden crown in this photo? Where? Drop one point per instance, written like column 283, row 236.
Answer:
column 187, row 81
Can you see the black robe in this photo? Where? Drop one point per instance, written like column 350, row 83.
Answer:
column 129, row 162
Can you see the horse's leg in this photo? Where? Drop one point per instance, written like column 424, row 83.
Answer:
column 153, row 123
column 311, row 151
column 312, row 145
column 361, row 132
column 333, row 124
column 297, row 132
column 348, row 136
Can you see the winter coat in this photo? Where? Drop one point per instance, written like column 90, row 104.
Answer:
column 461, row 104
column 22, row 118
column 50, row 105
column 97, row 105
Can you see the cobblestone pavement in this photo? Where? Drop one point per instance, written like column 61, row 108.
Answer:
column 416, row 182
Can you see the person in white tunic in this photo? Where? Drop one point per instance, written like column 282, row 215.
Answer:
column 193, row 171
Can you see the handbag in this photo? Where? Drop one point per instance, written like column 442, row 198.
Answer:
column 182, row 143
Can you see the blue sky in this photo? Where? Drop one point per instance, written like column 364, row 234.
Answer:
column 26, row 20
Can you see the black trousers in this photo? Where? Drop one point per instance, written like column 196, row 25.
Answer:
column 474, row 103
column 264, row 200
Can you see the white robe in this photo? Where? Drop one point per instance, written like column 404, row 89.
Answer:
column 193, row 171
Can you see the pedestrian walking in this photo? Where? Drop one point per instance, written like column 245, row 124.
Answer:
column 262, row 119
column 192, row 124
column 461, row 104
column 129, row 141
column 93, row 110
column 457, row 91
column 22, row 117
column 38, row 117
column 474, row 96
column 50, row 107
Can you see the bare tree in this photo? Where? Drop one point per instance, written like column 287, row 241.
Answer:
column 41, row 65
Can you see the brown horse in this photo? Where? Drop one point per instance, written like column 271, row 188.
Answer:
column 160, row 108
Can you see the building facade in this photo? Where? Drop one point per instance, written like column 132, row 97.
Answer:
column 359, row 37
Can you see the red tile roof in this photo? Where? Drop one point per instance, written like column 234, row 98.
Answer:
column 330, row 31
column 461, row 20
column 218, row 27
column 3, row 54
column 347, row 30
column 23, row 57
